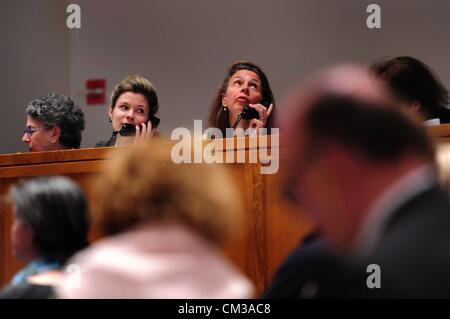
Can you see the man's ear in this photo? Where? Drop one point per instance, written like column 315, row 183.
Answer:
column 416, row 106
column 341, row 160
column 28, row 235
column 25, row 235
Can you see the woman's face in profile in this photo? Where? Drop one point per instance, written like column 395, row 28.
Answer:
column 37, row 137
column 22, row 240
column 130, row 108
column 244, row 88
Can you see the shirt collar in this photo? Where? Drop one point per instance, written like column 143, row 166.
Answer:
column 32, row 268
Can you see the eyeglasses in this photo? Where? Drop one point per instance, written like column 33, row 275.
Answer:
column 30, row 130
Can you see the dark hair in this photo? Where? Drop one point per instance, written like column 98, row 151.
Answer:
column 56, row 209
column 137, row 84
column 411, row 80
column 56, row 110
column 379, row 133
column 219, row 118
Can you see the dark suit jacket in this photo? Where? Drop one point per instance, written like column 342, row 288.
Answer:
column 413, row 255
column 443, row 114
column 414, row 251
column 289, row 278
column 27, row 291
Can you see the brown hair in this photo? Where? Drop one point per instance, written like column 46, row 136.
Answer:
column 143, row 184
column 412, row 80
column 380, row 133
column 218, row 117
column 137, row 84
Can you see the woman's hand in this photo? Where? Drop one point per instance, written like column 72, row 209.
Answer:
column 264, row 114
column 143, row 132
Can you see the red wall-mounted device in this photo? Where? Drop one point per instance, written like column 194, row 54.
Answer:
column 95, row 91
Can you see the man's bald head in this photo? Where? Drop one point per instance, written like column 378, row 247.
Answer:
column 343, row 142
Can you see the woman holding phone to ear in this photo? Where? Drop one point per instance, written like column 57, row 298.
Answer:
column 134, row 103
column 244, row 90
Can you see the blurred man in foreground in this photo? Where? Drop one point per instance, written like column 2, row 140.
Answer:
column 366, row 173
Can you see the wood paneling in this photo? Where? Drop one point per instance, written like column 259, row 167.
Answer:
column 272, row 227
column 264, row 240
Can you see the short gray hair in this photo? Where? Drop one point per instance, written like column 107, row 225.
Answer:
column 60, row 111
column 57, row 211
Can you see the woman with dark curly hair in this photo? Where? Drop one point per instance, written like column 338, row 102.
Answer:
column 54, row 122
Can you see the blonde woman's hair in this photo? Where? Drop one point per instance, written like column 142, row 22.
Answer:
column 137, row 84
column 143, row 184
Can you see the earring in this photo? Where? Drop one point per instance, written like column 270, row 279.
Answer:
column 109, row 119
column 224, row 108
column 53, row 141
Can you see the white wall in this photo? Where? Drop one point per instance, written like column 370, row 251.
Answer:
column 185, row 46
column 34, row 61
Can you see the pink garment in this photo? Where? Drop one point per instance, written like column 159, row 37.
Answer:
column 155, row 261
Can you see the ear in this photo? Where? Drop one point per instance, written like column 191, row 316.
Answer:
column 28, row 235
column 110, row 111
column 56, row 133
column 416, row 106
column 23, row 241
column 339, row 159
column 224, row 100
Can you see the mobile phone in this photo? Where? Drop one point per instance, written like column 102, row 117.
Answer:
column 128, row 129
column 154, row 120
column 249, row 113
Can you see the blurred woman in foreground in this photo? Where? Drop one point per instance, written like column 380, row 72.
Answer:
column 163, row 222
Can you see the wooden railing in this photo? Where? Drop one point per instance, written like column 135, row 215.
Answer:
column 271, row 226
